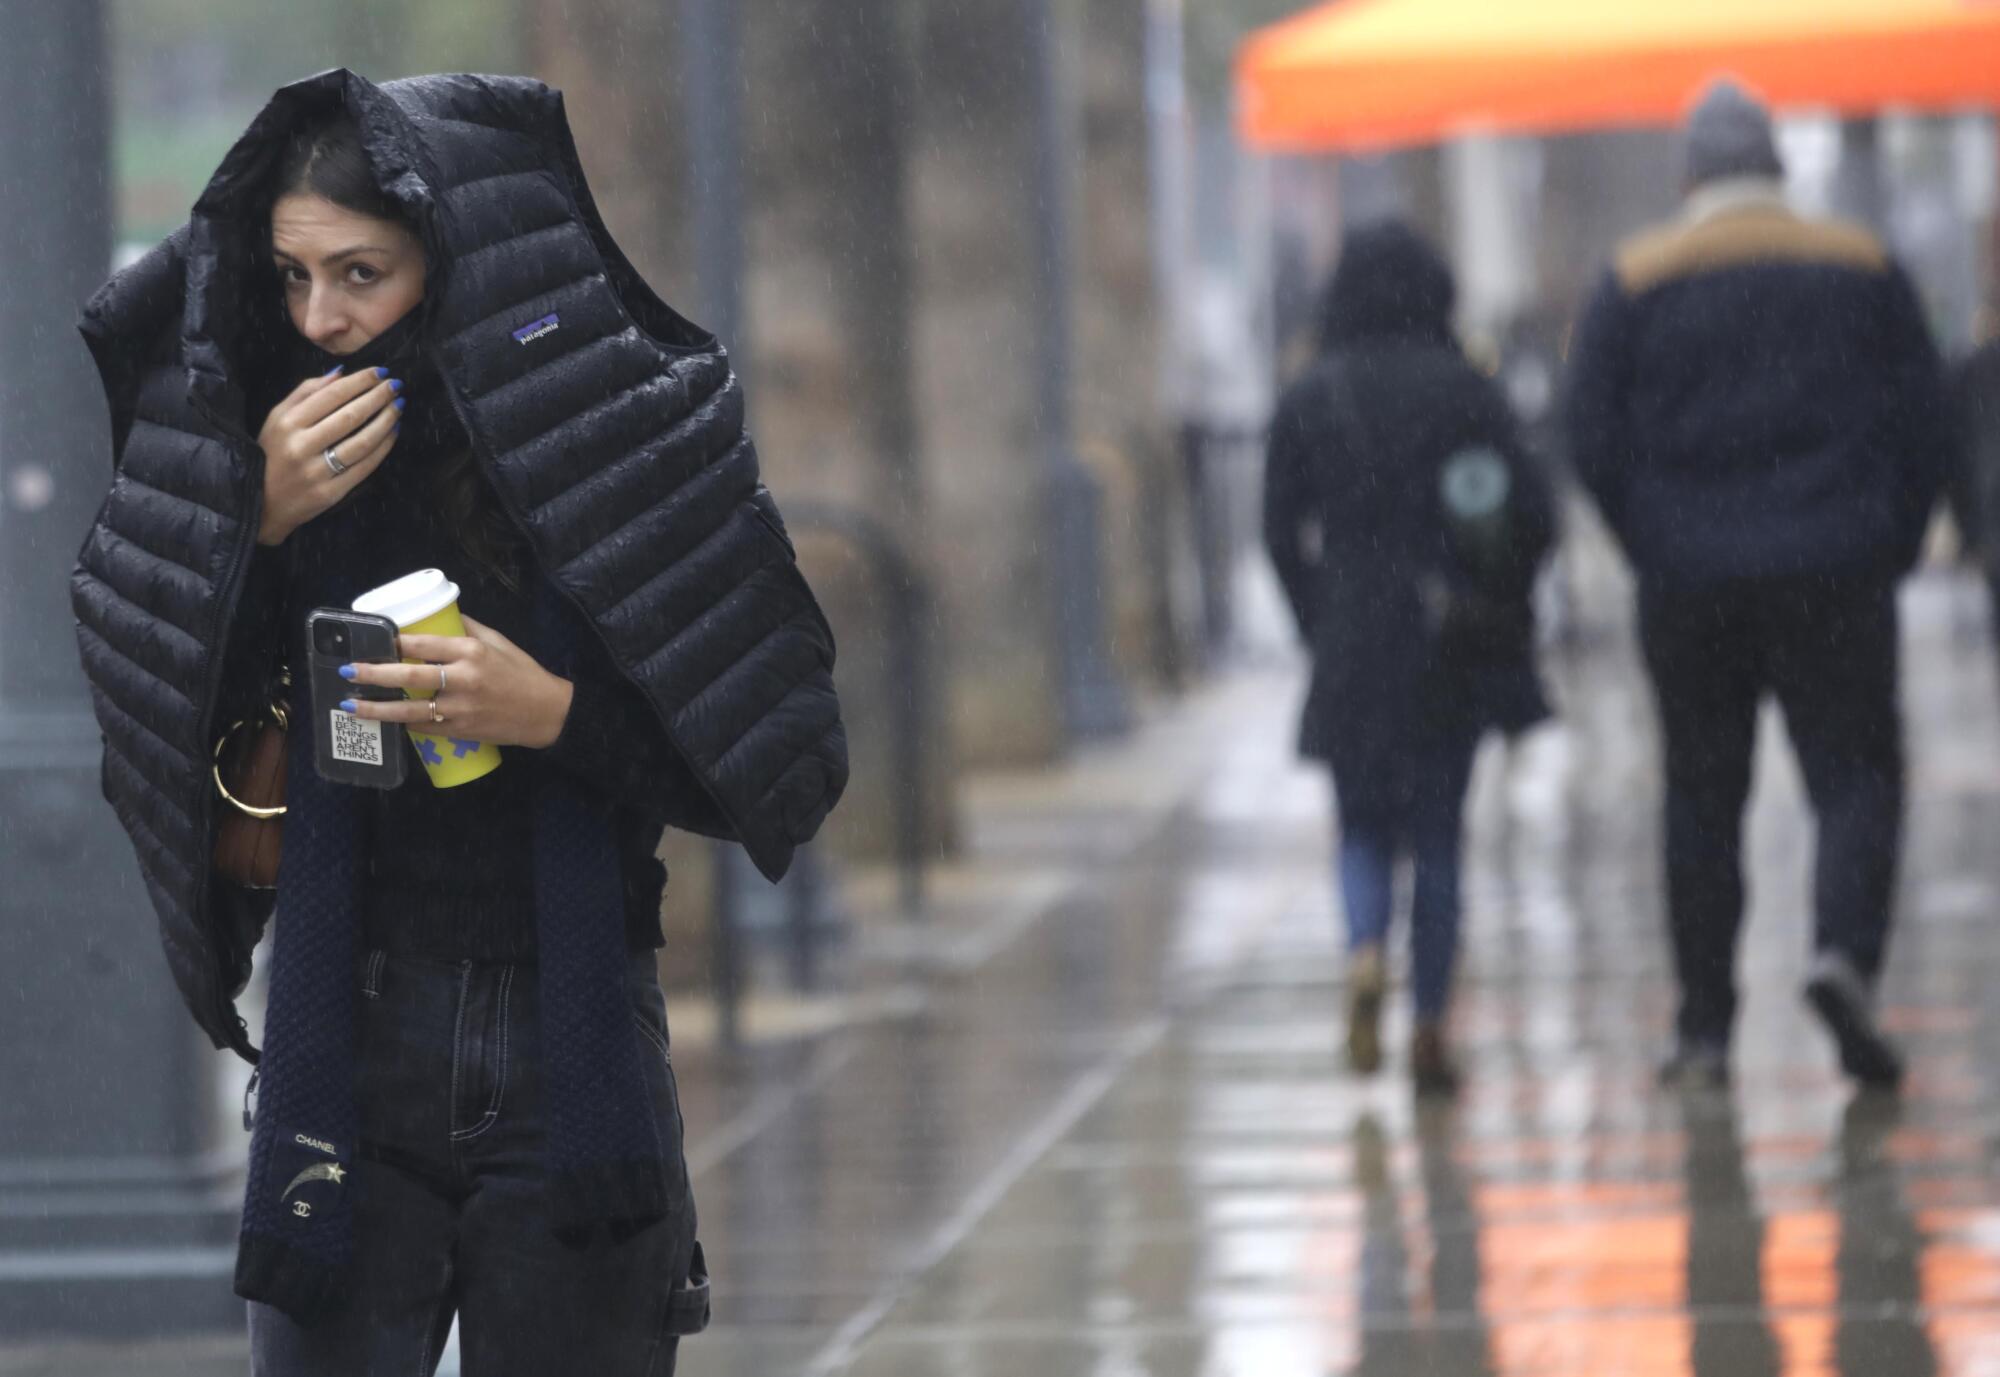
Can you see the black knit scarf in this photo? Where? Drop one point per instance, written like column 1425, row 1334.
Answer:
column 605, row 1165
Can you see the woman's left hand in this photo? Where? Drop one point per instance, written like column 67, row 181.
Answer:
column 493, row 690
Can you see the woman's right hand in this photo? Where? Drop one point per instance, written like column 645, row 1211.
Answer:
column 356, row 416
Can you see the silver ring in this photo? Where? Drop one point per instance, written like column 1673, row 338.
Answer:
column 437, row 718
column 333, row 461
column 440, row 670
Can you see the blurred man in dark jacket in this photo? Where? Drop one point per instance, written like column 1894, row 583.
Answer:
column 1758, row 408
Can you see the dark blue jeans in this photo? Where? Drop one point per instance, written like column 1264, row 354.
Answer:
column 1429, row 825
column 451, row 1219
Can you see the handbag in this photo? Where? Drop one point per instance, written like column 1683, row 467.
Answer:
column 250, row 776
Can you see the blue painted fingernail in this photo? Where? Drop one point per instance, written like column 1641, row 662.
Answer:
column 347, row 705
column 331, row 371
column 347, row 671
column 399, row 403
column 395, row 384
column 381, row 372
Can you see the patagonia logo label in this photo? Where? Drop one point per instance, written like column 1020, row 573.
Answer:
column 535, row 329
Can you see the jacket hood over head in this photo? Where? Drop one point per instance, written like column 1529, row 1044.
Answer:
column 608, row 427
column 1390, row 284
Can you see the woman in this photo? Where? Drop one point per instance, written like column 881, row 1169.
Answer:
column 396, row 335
column 1406, row 525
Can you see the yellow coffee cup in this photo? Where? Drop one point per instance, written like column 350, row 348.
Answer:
column 426, row 604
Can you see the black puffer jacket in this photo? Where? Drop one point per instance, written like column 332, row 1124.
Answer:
column 614, row 440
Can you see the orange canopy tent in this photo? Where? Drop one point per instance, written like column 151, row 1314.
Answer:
column 1361, row 74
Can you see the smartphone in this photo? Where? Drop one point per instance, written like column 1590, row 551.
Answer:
column 349, row 749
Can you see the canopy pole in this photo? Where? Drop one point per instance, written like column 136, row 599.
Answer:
column 1859, row 192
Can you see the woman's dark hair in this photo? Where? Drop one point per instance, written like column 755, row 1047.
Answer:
column 328, row 159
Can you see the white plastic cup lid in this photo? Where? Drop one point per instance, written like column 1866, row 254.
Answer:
column 409, row 599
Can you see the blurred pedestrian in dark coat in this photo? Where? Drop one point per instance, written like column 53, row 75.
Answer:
column 1406, row 524
column 1757, row 406
column 1974, row 489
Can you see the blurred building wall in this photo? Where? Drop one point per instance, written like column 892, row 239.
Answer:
column 827, row 125
column 973, row 217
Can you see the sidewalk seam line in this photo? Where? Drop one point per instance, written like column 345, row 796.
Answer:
column 844, row 1346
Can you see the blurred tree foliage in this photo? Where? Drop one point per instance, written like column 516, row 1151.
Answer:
column 189, row 74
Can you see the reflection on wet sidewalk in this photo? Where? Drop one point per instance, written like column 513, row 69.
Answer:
column 1122, row 1144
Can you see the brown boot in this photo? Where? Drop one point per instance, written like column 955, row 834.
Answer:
column 1367, row 982
column 1432, row 1069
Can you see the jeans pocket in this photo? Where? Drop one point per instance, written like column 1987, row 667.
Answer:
column 687, row 1303
column 682, row 1313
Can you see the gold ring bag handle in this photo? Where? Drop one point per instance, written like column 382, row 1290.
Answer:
column 249, row 775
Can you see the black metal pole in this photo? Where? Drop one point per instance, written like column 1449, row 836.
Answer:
column 1092, row 698
column 711, row 76
column 711, row 62
column 913, row 738
column 110, row 1215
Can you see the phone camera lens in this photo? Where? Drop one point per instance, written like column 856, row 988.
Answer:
column 330, row 638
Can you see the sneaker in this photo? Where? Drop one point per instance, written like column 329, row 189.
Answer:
column 1694, row 1065
column 1367, row 982
column 1841, row 998
column 1432, row 1070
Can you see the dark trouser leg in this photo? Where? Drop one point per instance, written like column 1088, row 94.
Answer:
column 614, row 1305
column 1703, row 659
column 1834, row 667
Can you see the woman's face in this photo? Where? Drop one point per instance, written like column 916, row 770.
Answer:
column 347, row 277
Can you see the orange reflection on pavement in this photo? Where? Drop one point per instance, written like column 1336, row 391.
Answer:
column 1621, row 1263
column 1806, row 1343
column 1586, row 1295
column 1801, row 1289
column 1543, row 1199
column 1798, row 1262
column 1592, row 1346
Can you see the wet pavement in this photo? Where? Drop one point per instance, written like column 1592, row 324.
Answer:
column 1123, row 1145
column 1094, row 1121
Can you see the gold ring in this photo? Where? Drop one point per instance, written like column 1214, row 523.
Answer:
column 436, row 716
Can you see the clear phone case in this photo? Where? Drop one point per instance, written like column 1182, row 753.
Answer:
column 348, row 749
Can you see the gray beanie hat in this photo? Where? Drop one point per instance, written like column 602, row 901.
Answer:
column 1729, row 135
